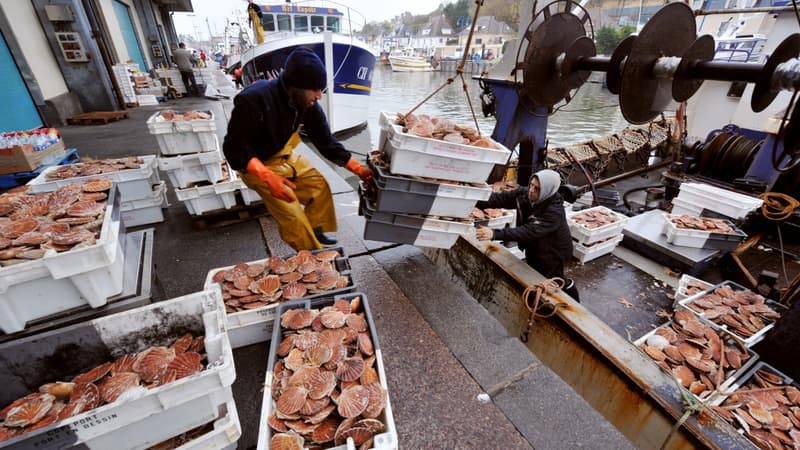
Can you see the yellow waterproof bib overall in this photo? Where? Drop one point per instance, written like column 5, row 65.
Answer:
column 295, row 224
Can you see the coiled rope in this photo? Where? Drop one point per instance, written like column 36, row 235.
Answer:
column 778, row 206
column 540, row 302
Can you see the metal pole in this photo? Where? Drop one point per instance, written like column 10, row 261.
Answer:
column 701, row 12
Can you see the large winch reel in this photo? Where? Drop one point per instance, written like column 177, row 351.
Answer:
column 665, row 62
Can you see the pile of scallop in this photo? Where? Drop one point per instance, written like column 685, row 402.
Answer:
column 594, row 218
column 687, row 222
column 423, row 125
column 742, row 312
column 169, row 115
column 250, row 286
column 767, row 409
column 95, row 167
column 69, row 217
column 326, row 387
column 101, row 385
column 695, row 354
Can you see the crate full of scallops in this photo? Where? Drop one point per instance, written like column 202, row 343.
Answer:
column 595, row 231
column 438, row 148
column 252, row 291
column 60, row 250
column 702, row 232
column 763, row 405
column 134, row 176
column 131, row 379
column 181, row 133
column 325, row 385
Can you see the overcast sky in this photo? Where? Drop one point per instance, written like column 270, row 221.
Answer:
column 219, row 12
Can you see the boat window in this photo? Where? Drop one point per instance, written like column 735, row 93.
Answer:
column 300, row 23
column 284, row 22
column 268, row 22
column 317, row 23
column 333, row 24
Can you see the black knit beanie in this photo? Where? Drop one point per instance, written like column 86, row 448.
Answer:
column 304, row 70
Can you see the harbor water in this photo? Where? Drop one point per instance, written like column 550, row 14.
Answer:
column 594, row 111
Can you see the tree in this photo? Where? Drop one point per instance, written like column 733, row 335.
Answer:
column 453, row 11
column 606, row 39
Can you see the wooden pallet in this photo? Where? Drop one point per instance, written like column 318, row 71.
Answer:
column 224, row 217
column 97, row 117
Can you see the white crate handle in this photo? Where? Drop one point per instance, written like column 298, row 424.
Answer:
column 180, row 128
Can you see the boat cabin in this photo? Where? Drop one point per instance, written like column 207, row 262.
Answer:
column 291, row 18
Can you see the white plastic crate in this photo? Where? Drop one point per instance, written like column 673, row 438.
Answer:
column 62, row 281
column 255, row 325
column 584, row 235
column 432, row 158
column 509, row 218
column 146, row 211
column 383, row 441
column 183, row 170
column 144, row 417
column 702, row 239
column 742, row 381
column 406, row 229
column 189, row 136
column 586, row 253
column 685, row 207
column 201, row 199
column 722, row 201
column 683, row 285
column 132, row 184
column 249, row 196
column 227, row 430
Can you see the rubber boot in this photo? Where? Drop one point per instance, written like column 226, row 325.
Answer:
column 324, row 240
column 569, row 289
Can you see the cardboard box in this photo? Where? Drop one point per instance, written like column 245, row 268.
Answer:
column 23, row 158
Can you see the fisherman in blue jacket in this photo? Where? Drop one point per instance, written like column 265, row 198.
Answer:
column 542, row 231
column 263, row 131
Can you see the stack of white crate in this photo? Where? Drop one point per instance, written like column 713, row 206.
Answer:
column 124, row 82
column 204, row 78
column 191, row 157
column 175, row 79
column 592, row 242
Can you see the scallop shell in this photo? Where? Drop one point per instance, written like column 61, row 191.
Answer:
column 19, row 227
column 338, row 355
column 152, row 363
column 186, row 364
column 342, row 306
column 301, row 376
column 313, row 406
column 377, row 400
column 353, row 401
column 115, row 385
column 759, row 413
column 293, row 291
column 71, row 237
column 326, row 430
column 342, row 282
column 291, row 277
column 49, row 419
column 295, row 359
column 254, row 270
column 350, row 369
column 370, row 375
column 7, row 433
column 97, row 185
column 684, row 374
column 198, row 345
column 182, row 343
column 292, row 399
column 94, row 374
column 321, row 384
column 85, row 208
column 327, row 255
column 92, row 196
column 286, row 441
column 332, row 319
column 301, row 426
column 242, row 282
column 332, row 336
column 318, row 354
column 273, row 262
column 365, row 344
column 328, row 281
column 310, row 279
column 358, row 434
column 295, row 319
column 276, row 424
column 307, row 267
column 284, row 268
column 306, row 338
column 29, row 412
column 85, row 397
column 286, row 345
column 375, row 426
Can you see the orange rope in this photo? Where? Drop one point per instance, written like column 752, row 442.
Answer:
column 547, row 287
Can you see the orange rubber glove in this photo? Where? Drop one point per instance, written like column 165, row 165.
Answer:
column 365, row 173
column 276, row 183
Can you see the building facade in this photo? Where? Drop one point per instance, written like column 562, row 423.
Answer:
column 56, row 56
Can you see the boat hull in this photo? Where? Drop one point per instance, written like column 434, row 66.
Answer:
column 353, row 64
column 405, row 64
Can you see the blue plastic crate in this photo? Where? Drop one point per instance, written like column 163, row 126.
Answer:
column 16, row 179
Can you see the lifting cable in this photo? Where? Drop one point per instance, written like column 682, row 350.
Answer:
column 548, row 286
column 778, row 207
column 459, row 73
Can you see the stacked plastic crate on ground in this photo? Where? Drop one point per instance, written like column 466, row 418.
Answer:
column 595, row 232
column 193, row 161
column 123, row 76
column 142, row 194
column 173, row 77
column 428, row 189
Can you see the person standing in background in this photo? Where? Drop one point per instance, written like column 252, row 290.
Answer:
column 185, row 62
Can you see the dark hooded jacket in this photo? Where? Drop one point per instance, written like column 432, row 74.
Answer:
column 262, row 122
column 541, row 230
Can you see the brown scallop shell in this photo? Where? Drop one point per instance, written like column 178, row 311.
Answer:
column 94, row 374
column 198, row 345
column 186, row 364
column 286, row 345
column 293, row 291
column 85, row 209
column 97, row 185
column 377, row 400
column 291, row 277
column 19, row 227
column 254, row 270
column 373, row 425
column 321, row 384
column 684, row 374
column 328, row 281
column 301, row 426
column 338, row 355
column 332, row 319
column 182, row 343
column 115, row 385
column 310, row 279
column 350, row 369
column 295, row 359
column 357, row 322
column 276, row 424
column 219, row 276
column 318, row 354
column 29, row 412
column 295, row 319
column 327, row 255
column 152, row 363
column 242, row 282
column 342, row 306
column 365, row 344
column 307, row 267
column 92, row 196
column 86, row 393
column 7, row 433
column 369, row 376
column 292, row 399
column 60, row 389
column 283, row 268
column 269, row 284
column 286, row 441
column 353, row 401
column 342, row 282
column 326, row 430
column 358, row 434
